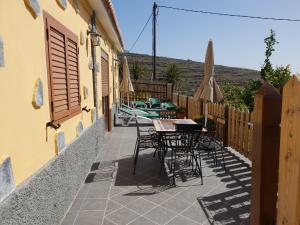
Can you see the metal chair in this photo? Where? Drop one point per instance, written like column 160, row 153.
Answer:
column 145, row 140
column 184, row 143
column 212, row 143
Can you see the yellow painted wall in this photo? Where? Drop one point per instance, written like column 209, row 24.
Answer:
column 23, row 133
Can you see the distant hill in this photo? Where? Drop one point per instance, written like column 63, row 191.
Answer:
column 192, row 72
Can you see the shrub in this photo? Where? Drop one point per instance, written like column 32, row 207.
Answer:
column 180, row 109
column 172, row 74
column 138, row 70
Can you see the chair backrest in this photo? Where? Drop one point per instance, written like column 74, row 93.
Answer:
column 185, row 139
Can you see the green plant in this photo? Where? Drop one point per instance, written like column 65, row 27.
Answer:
column 232, row 95
column 278, row 76
column 180, row 109
column 172, row 74
column 243, row 97
column 138, row 70
column 267, row 66
column 210, row 125
column 248, row 92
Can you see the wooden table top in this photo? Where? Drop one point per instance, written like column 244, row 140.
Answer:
column 168, row 125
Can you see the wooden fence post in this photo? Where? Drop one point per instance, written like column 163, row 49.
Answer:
column 265, row 155
column 187, row 107
column 226, row 127
column 289, row 160
column 169, row 91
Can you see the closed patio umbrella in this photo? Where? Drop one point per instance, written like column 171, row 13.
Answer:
column 209, row 90
column 126, row 84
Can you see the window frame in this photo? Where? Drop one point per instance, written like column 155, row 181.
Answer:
column 70, row 112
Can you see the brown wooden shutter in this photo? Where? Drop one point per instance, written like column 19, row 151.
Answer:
column 73, row 76
column 63, row 71
column 105, row 73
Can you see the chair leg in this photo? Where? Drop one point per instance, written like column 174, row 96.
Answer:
column 136, row 143
column 156, row 149
column 200, row 167
column 174, row 169
column 162, row 160
column 215, row 153
column 136, row 158
column 224, row 164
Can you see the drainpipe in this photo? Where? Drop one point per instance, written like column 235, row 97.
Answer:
column 94, row 70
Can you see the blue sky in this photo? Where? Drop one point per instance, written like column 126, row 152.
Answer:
column 237, row 42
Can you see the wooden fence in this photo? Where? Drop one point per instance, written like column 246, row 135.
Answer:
column 234, row 127
column 288, row 212
column 144, row 90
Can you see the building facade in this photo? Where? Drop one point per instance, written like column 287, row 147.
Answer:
column 59, row 82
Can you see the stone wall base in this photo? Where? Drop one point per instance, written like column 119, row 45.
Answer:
column 46, row 196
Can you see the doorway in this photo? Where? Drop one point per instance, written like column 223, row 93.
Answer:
column 105, row 90
column 106, row 112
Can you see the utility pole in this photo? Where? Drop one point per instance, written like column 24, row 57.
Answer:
column 154, row 40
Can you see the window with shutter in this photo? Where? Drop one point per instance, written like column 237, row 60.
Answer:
column 63, row 70
column 105, row 73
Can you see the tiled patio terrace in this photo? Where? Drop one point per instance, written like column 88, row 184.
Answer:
column 111, row 195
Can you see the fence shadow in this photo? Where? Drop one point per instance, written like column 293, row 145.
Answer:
column 230, row 202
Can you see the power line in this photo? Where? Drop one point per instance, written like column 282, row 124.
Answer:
column 142, row 31
column 231, row 15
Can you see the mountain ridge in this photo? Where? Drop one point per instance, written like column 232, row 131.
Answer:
column 192, row 72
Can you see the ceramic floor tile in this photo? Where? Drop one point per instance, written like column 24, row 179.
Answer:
column 176, row 205
column 89, row 218
column 180, row 220
column 122, row 216
column 93, row 204
column 160, row 215
column 142, row 221
column 141, row 206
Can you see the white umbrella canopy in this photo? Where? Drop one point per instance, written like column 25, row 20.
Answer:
column 209, row 90
column 126, row 84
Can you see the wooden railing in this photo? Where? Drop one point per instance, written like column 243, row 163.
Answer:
column 144, row 90
column 234, row 127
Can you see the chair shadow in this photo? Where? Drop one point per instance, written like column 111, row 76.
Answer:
column 147, row 171
column 231, row 203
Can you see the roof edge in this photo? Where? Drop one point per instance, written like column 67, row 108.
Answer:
column 112, row 14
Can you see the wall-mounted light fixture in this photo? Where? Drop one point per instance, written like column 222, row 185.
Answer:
column 95, row 37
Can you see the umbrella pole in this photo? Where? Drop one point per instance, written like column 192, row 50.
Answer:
column 206, row 114
column 128, row 98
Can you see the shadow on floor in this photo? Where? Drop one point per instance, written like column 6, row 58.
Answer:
column 230, row 202
column 147, row 171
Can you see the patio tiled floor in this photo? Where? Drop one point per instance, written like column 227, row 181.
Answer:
column 111, row 195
